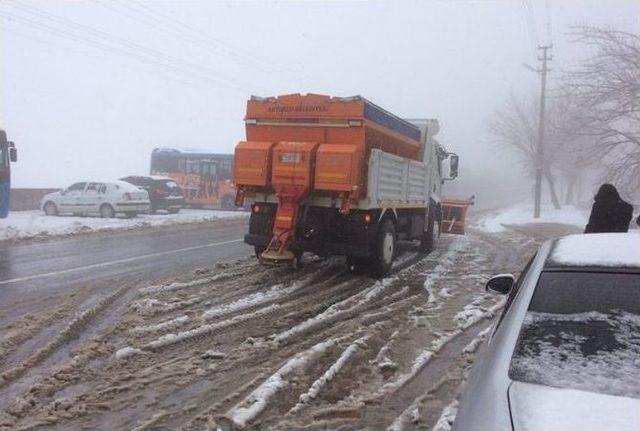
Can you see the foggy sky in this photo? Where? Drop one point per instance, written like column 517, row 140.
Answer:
column 81, row 111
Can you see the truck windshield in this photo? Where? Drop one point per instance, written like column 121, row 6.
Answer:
column 582, row 331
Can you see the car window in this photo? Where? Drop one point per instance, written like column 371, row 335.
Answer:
column 76, row 187
column 582, row 331
column 514, row 291
column 93, row 188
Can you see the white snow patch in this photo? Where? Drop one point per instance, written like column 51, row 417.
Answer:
column 30, row 224
column 339, row 309
column 126, row 352
column 162, row 326
column 521, row 214
column 254, row 404
column 257, row 298
column 475, row 343
column 448, row 415
column 329, row 375
column 170, row 339
column 446, row 261
column 177, row 285
column 598, row 249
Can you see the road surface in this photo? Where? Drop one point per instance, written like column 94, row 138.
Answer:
column 40, row 270
column 240, row 346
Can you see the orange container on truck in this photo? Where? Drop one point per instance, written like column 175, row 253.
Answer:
column 338, row 176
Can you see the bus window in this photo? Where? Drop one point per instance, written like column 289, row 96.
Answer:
column 193, row 167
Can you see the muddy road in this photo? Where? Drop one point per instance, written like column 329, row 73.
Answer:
column 240, row 346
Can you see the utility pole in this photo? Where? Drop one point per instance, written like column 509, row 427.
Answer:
column 540, row 148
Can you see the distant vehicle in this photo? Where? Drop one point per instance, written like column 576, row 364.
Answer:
column 205, row 178
column 164, row 192
column 564, row 353
column 8, row 154
column 105, row 198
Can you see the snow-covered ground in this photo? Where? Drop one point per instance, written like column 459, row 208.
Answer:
column 522, row 213
column 30, row 224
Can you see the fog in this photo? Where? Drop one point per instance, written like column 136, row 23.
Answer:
column 93, row 104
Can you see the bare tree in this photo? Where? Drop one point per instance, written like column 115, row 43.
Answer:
column 608, row 88
column 516, row 128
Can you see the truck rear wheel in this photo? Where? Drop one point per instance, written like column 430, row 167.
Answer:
column 385, row 250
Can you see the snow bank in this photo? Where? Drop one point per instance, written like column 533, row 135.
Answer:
column 521, row 214
column 598, row 249
column 31, row 224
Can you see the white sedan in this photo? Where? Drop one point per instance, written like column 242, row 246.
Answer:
column 106, row 198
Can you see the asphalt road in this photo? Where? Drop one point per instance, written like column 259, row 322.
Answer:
column 42, row 269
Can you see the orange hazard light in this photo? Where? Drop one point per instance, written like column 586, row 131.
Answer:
column 337, row 167
column 252, row 164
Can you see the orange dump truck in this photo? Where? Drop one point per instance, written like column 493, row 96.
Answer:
column 338, row 176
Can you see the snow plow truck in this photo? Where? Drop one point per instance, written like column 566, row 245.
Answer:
column 338, row 176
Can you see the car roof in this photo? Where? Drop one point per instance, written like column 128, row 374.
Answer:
column 596, row 250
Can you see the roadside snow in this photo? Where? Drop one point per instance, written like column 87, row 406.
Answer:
column 598, row 249
column 521, row 214
column 30, row 224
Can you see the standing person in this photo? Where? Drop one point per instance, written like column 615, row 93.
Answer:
column 609, row 212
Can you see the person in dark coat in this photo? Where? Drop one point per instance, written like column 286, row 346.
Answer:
column 609, row 212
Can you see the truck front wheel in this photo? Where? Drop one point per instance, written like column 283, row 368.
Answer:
column 431, row 235
column 385, row 248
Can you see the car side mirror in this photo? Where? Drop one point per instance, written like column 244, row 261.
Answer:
column 13, row 154
column 501, row 284
column 453, row 166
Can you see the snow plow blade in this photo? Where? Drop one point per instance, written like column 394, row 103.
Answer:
column 454, row 214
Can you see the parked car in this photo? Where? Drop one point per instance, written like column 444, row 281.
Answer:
column 106, row 198
column 563, row 355
column 164, row 192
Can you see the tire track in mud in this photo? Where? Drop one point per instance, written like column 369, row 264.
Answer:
column 189, row 383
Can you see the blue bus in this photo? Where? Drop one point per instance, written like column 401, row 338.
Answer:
column 8, row 154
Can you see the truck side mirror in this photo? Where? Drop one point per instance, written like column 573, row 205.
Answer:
column 453, row 166
column 13, row 154
column 501, row 283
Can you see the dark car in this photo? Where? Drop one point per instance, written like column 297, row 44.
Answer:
column 164, row 192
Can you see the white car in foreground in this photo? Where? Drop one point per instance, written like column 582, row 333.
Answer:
column 105, row 198
column 565, row 353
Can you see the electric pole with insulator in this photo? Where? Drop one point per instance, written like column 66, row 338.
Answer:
column 540, row 148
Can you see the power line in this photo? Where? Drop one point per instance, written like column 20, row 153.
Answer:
column 531, row 24
column 547, row 7
column 115, row 44
column 143, row 13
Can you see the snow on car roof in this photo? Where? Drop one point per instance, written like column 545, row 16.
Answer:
column 123, row 185
column 598, row 249
column 160, row 178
